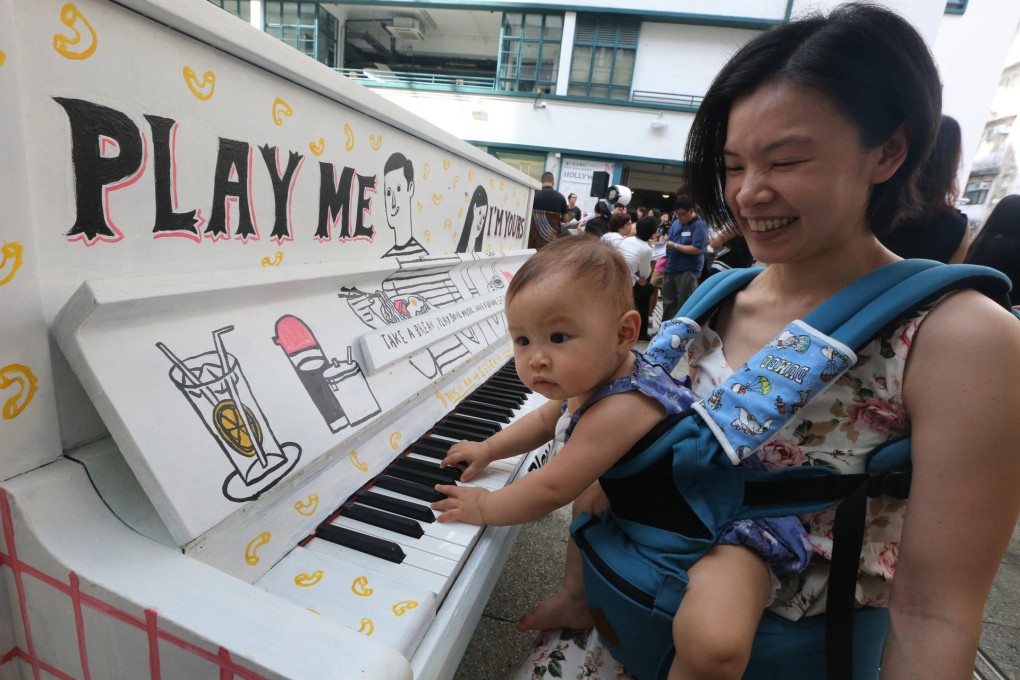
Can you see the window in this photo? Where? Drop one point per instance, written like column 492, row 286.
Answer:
column 603, row 61
column 528, row 162
column 239, row 8
column 976, row 192
column 306, row 26
column 956, row 6
column 529, row 52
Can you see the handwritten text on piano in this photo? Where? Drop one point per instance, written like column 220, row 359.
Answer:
column 387, row 345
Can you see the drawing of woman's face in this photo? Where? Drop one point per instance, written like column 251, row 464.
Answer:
column 481, row 213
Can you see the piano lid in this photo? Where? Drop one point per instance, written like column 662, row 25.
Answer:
column 218, row 390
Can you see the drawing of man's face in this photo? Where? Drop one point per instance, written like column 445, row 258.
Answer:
column 398, row 190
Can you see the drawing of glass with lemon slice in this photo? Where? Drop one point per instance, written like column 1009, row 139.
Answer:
column 217, row 389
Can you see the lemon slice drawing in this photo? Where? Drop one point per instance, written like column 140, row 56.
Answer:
column 231, row 426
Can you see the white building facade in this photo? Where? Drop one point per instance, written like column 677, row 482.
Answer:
column 577, row 88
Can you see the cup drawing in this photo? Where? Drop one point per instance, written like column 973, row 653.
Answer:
column 215, row 386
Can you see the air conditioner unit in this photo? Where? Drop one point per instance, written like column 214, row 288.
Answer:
column 405, row 28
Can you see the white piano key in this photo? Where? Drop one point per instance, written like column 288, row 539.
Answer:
column 426, row 543
column 407, row 571
column 453, row 532
column 387, row 610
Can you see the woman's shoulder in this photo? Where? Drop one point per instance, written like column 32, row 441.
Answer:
column 966, row 333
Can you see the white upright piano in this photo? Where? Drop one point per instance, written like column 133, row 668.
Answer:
column 245, row 307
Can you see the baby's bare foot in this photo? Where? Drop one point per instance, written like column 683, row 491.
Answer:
column 562, row 610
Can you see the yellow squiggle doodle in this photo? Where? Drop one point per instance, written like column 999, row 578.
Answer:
column 253, row 545
column 308, row 506
column 471, row 175
column 492, row 184
column 501, row 185
column 403, row 607
column 357, row 462
column 446, row 164
column 317, row 147
column 277, row 259
column 308, row 580
column 12, row 253
column 456, row 178
column 280, row 110
column 69, row 47
column 367, row 626
column 428, row 237
column 437, row 199
column 360, row 587
column 201, row 89
column 22, row 376
column 420, row 206
column 395, row 440
column 348, row 137
column 425, row 170
column 448, row 223
column 375, row 141
column 460, row 212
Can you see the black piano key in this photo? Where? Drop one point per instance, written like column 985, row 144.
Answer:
column 495, row 405
column 507, row 392
column 383, row 520
column 479, row 411
column 452, row 471
column 397, row 506
column 498, row 398
column 370, row 545
column 458, row 434
column 439, row 446
column 460, row 429
column 424, row 492
column 506, row 383
column 418, row 476
column 481, row 426
column 423, row 450
column 437, row 443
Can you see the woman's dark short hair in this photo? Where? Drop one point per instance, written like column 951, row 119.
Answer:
column 867, row 61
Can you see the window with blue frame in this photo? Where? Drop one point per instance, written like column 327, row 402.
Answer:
column 239, row 8
column 956, row 6
column 605, row 49
column 306, row 26
column 529, row 52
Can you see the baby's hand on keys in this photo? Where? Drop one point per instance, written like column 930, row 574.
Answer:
column 462, row 504
column 475, row 454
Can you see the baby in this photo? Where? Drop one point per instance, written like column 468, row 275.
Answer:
column 571, row 316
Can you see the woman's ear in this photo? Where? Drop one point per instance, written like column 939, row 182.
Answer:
column 891, row 154
column 630, row 327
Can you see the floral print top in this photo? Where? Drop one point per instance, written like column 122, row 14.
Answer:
column 861, row 411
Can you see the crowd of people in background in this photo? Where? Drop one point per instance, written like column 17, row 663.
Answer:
column 680, row 250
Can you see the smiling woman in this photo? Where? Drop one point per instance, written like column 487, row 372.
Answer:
column 809, row 142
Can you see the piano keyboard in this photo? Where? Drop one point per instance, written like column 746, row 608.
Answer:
column 382, row 564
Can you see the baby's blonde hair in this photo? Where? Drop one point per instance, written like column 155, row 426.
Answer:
column 582, row 258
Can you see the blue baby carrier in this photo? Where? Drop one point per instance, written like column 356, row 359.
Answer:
column 683, row 483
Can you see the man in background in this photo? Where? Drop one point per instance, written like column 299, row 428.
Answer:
column 685, row 256
column 549, row 212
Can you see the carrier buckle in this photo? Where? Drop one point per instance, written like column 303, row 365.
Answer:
column 895, row 484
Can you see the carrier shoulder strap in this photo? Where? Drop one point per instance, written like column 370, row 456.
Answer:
column 854, row 316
